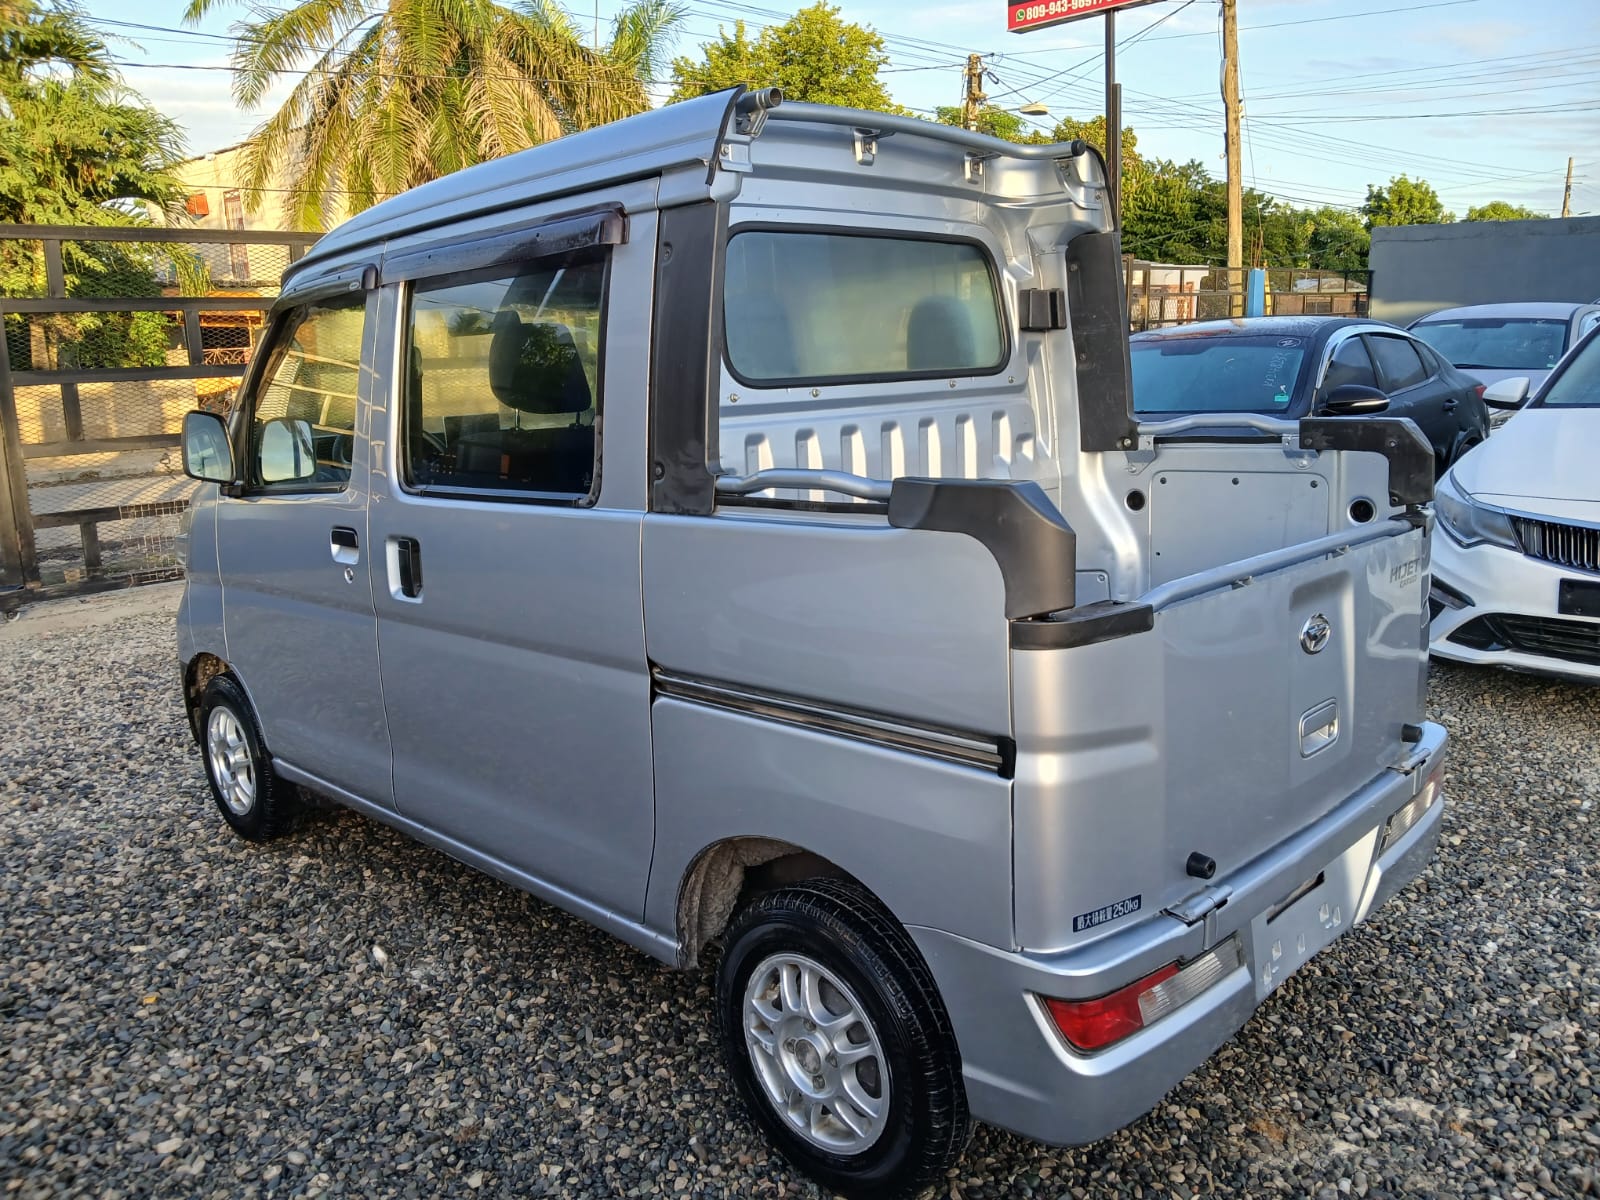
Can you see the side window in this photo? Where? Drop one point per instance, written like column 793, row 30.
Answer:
column 302, row 426
column 1350, row 364
column 502, row 383
column 1399, row 364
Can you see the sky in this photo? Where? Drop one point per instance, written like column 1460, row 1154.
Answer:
column 1485, row 99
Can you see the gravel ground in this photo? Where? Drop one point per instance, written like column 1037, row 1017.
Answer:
column 348, row 1013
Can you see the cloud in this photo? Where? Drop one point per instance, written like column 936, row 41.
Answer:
column 1480, row 37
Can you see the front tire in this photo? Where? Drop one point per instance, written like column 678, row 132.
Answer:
column 838, row 1041
column 255, row 803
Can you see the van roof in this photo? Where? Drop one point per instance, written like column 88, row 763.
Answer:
column 686, row 137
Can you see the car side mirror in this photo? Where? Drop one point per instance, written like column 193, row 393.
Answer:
column 1354, row 400
column 288, row 451
column 1508, row 393
column 207, row 454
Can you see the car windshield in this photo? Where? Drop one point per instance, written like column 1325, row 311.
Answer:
column 1578, row 386
column 1497, row 343
column 1200, row 373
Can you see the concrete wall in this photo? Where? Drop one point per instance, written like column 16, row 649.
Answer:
column 1418, row 269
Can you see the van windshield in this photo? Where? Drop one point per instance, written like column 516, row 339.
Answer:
column 820, row 307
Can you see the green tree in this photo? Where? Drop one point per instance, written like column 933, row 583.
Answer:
column 1337, row 240
column 32, row 36
column 996, row 122
column 1093, row 131
column 1501, row 210
column 814, row 56
column 393, row 96
column 1404, row 201
column 79, row 148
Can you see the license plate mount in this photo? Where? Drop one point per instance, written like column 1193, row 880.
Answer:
column 1289, row 934
column 1578, row 598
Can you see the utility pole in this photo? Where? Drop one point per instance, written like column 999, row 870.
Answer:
column 972, row 99
column 1230, row 104
column 1566, row 199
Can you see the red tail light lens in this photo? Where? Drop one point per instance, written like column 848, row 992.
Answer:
column 1095, row 1024
column 1480, row 389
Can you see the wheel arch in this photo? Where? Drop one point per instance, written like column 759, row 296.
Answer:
column 200, row 670
column 722, row 875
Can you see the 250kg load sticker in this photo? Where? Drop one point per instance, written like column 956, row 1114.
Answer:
column 1110, row 912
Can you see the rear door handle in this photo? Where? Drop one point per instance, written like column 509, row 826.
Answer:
column 405, row 568
column 345, row 544
column 1450, row 404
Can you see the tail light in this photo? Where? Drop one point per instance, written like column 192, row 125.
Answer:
column 1480, row 388
column 1105, row 1020
column 1407, row 818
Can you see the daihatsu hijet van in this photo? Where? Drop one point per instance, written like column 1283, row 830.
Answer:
column 730, row 526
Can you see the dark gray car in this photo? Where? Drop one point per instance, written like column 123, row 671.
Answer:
column 1295, row 367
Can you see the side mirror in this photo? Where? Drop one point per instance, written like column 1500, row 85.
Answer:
column 207, row 454
column 288, row 451
column 1354, row 400
column 1508, row 393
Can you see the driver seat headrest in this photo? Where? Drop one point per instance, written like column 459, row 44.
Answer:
column 535, row 368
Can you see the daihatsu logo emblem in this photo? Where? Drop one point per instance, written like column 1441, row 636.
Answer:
column 1315, row 634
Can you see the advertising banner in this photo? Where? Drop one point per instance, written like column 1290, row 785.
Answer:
column 1025, row 15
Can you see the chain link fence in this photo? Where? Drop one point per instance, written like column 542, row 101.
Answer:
column 111, row 335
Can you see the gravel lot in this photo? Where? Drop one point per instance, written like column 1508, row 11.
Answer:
column 348, row 1013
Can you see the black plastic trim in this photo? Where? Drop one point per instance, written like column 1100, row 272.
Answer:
column 984, row 751
column 1102, row 621
column 1035, row 548
column 1460, row 598
column 524, row 243
column 685, row 358
column 1040, row 310
column 1398, row 439
column 1099, row 312
column 347, row 281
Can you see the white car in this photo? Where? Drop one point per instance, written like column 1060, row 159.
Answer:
column 1516, row 562
column 1496, row 342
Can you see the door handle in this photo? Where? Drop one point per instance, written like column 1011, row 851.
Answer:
column 345, row 544
column 1450, row 405
column 405, row 568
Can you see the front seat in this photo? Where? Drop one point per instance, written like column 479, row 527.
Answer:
column 534, row 368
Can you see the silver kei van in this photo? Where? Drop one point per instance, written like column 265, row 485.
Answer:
column 730, row 526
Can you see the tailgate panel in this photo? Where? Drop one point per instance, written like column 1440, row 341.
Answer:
column 1136, row 752
column 1238, row 777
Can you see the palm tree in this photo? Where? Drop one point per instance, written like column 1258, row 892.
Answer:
column 396, row 94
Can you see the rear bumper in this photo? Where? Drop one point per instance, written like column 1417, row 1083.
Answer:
column 1473, row 586
column 1021, row 1075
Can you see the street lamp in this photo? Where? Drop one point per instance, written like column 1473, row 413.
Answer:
column 1035, row 110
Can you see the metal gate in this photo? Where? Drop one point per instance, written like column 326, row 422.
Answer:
column 112, row 333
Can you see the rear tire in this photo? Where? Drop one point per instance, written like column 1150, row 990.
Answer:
column 839, row 1043
column 255, row 803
